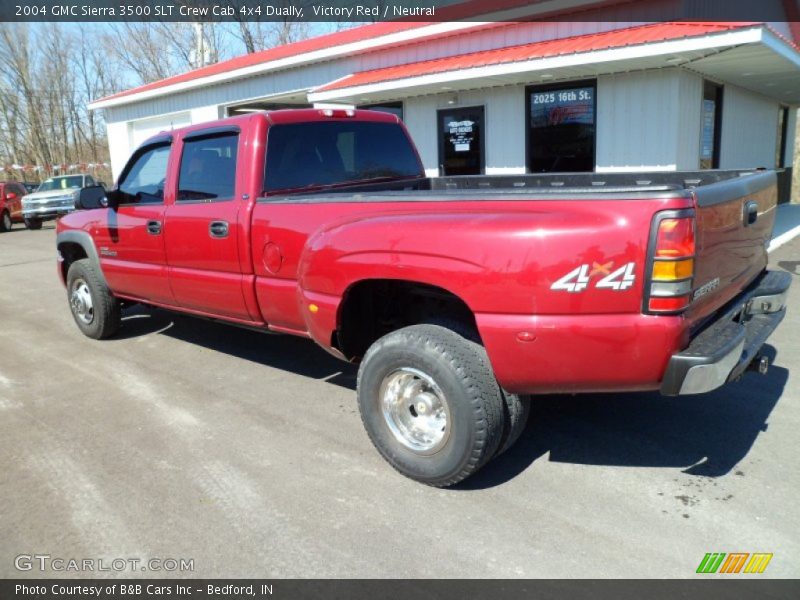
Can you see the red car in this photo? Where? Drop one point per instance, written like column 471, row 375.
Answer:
column 458, row 296
column 11, row 193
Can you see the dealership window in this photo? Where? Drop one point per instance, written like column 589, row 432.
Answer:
column 208, row 168
column 780, row 147
column 461, row 140
column 711, row 126
column 393, row 108
column 561, row 127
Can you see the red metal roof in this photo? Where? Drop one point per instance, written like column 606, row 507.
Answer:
column 465, row 10
column 339, row 38
column 630, row 36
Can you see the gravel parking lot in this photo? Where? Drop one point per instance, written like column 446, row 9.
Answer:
column 182, row 438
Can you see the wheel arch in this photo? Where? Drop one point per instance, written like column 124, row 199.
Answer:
column 371, row 308
column 75, row 245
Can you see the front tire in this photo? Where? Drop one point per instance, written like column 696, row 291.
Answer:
column 33, row 223
column 5, row 221
column 430, row 403
column 96, row 312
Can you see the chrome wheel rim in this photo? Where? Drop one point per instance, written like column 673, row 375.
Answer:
column 415, row 410
column 80, row 301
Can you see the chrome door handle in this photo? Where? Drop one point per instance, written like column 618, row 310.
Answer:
column 154, row 227
column 218, row 229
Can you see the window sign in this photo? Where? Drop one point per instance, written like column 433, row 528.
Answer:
column 707, row 139
column 461, row 134
column 563, row 106
column 561, row 129
column 710, row 125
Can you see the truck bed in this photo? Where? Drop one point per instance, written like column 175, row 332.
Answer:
column 530, row 187
column 730, row 252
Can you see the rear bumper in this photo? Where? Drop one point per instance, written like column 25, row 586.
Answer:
column 725, row 348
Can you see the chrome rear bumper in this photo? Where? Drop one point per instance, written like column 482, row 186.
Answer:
column 724, row 349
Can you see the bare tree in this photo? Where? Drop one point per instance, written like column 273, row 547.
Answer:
column 47, row 78
column 49, row 75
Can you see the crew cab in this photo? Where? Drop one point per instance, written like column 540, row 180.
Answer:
column 459, row 296
column 11, row 193
column 54, row 197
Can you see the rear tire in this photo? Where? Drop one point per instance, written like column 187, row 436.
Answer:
column 33, row 223
column 96, row 312
column 430, row 403
column 5, row 221
column 516, row 407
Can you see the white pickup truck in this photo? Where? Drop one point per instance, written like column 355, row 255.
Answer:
column 54, row 197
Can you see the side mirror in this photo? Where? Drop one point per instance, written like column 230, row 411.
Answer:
column 11, row 196
column 91, row 197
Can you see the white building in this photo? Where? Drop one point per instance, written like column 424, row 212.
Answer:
column 614, row 92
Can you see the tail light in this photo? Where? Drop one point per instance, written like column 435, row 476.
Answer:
column 672, row 253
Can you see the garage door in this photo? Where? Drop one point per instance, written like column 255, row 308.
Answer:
column 141, row 130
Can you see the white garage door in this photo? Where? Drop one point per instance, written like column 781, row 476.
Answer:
column 141, row 130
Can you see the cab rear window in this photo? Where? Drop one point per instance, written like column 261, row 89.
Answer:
column 311, row 155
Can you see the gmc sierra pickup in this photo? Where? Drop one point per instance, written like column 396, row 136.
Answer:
column 458, row 296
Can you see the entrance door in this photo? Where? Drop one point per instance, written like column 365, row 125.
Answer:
column 461, row 141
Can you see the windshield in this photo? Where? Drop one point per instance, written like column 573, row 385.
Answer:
column 61, row 183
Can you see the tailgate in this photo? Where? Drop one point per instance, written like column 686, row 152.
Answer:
column 734, row 225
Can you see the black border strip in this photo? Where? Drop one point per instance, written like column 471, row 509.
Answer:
column 705, row 587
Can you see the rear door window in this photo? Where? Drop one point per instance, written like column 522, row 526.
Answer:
column 306, row 155
column 208, row 168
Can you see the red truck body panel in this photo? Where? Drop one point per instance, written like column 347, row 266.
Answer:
column 500, row 254
column 734, row 253
column 11, row 194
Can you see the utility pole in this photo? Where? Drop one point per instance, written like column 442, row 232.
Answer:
column 205, row 50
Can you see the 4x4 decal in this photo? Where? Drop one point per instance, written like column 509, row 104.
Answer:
column 580, row 277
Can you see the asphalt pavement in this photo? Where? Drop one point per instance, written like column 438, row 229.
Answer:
column 244, row 454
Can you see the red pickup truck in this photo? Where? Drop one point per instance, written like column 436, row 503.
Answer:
column 11, row 193
column 458, row 296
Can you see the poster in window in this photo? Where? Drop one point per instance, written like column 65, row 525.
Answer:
column 461, row 134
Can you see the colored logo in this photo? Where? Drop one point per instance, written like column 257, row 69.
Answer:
column 734, row 562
